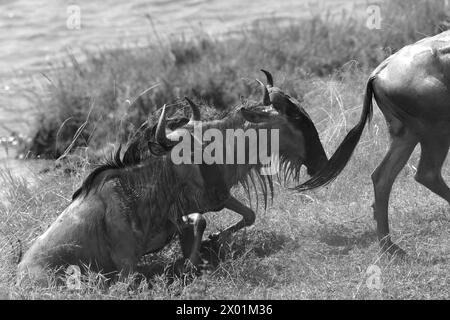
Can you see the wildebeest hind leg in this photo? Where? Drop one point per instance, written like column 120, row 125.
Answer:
column 124, row 249
column 191, row 237
column 432, row 157
column 402, row 145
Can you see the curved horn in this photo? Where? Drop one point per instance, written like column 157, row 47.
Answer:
column 195, row 110
column 160, row 133
column 269, row 78
column 266, row 99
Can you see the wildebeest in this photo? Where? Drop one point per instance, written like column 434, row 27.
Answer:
column 412, row 90
column 124, row 209
column 136, row 204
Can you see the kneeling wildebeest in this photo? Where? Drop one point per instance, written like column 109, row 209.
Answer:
column 411, row 88
column 124, row 209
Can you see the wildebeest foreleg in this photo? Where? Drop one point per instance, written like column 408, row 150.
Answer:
column 191, row 237
column 383, row 177
column 248, row 217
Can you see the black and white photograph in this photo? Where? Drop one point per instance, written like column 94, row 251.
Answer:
column 237, row 153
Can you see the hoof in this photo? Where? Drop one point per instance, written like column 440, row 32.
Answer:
column 220, row 237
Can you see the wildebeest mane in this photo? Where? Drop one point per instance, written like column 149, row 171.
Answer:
column 133, row 155
column 113, row 162
column 136, row 151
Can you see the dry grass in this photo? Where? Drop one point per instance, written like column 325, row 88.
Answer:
column 315, row 245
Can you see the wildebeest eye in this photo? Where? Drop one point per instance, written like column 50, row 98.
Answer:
column 244, row 101
column 255, row 116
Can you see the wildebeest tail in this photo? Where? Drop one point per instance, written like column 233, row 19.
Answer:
column 345, row 150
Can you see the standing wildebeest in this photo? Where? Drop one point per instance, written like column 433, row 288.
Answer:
column 135, row 205
column 412, row 91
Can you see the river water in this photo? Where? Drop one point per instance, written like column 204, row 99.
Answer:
column 36, row 35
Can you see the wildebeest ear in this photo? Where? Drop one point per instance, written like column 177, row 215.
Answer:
column 287, row 105
column 255, row 116
column 156, row 149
